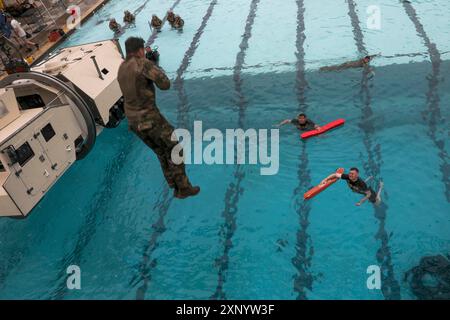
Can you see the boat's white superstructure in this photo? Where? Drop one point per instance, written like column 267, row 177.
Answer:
column 50, row 117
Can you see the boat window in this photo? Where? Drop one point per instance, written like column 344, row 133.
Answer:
column 24, row 153
column 48, row 132
column 31, row 102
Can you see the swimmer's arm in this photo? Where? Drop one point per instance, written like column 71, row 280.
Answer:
column 315, row 126
column 331, row 176
column 334, row 68
column 282, row 123
column 368, row 194
column 156, row 74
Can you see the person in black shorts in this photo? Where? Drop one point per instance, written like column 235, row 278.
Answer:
column 356, row 184
column 301, row 122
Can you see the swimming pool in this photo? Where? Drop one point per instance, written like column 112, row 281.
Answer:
column 252, row 63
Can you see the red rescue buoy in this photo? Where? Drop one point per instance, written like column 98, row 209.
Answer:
column 325, row 128
column 318, row 189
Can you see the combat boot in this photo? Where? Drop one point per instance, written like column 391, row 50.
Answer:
column 186, row 192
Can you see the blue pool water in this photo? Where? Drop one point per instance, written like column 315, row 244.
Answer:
column 248, row 236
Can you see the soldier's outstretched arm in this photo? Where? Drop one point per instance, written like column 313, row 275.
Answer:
column 157, row 75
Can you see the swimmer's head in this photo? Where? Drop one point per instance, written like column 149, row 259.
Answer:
column 301, row 118
column 353, row 174
column 134, row 46
column 367, row 59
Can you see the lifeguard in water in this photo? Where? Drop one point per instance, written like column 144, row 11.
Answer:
column 355, row 183
column 301, row 122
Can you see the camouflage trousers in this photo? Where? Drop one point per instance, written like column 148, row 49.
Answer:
column 155, row 131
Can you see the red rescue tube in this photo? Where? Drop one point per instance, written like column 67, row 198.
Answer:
column 318, row 189
column 325, row 128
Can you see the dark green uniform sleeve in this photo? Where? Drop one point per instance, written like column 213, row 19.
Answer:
column 156, row 74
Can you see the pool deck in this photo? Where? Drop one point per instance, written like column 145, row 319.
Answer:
column 87, row 11
column 46, row 46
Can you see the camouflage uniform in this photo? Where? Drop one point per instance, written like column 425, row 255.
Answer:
column 136, row 77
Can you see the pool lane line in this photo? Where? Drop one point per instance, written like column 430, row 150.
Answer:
column 154, row 34
column 183, row 106
column 140, row 8
column 158, row 228
column 304, row 250
column 390, row 288
column 433, row 114
column 240, row 59
column 90, row 224
column 234, row 190
column 163, row 205
column 301, row 83
column 303, row 279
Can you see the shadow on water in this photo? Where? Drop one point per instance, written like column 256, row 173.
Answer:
column 430, row 280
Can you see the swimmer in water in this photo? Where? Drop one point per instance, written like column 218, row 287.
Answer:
column 115, row 26
column 156, row 22
column 301, row 122
column 128, row 17
column 178, row 22
column 356, row 184
column 170, row 17
column 361, row 63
